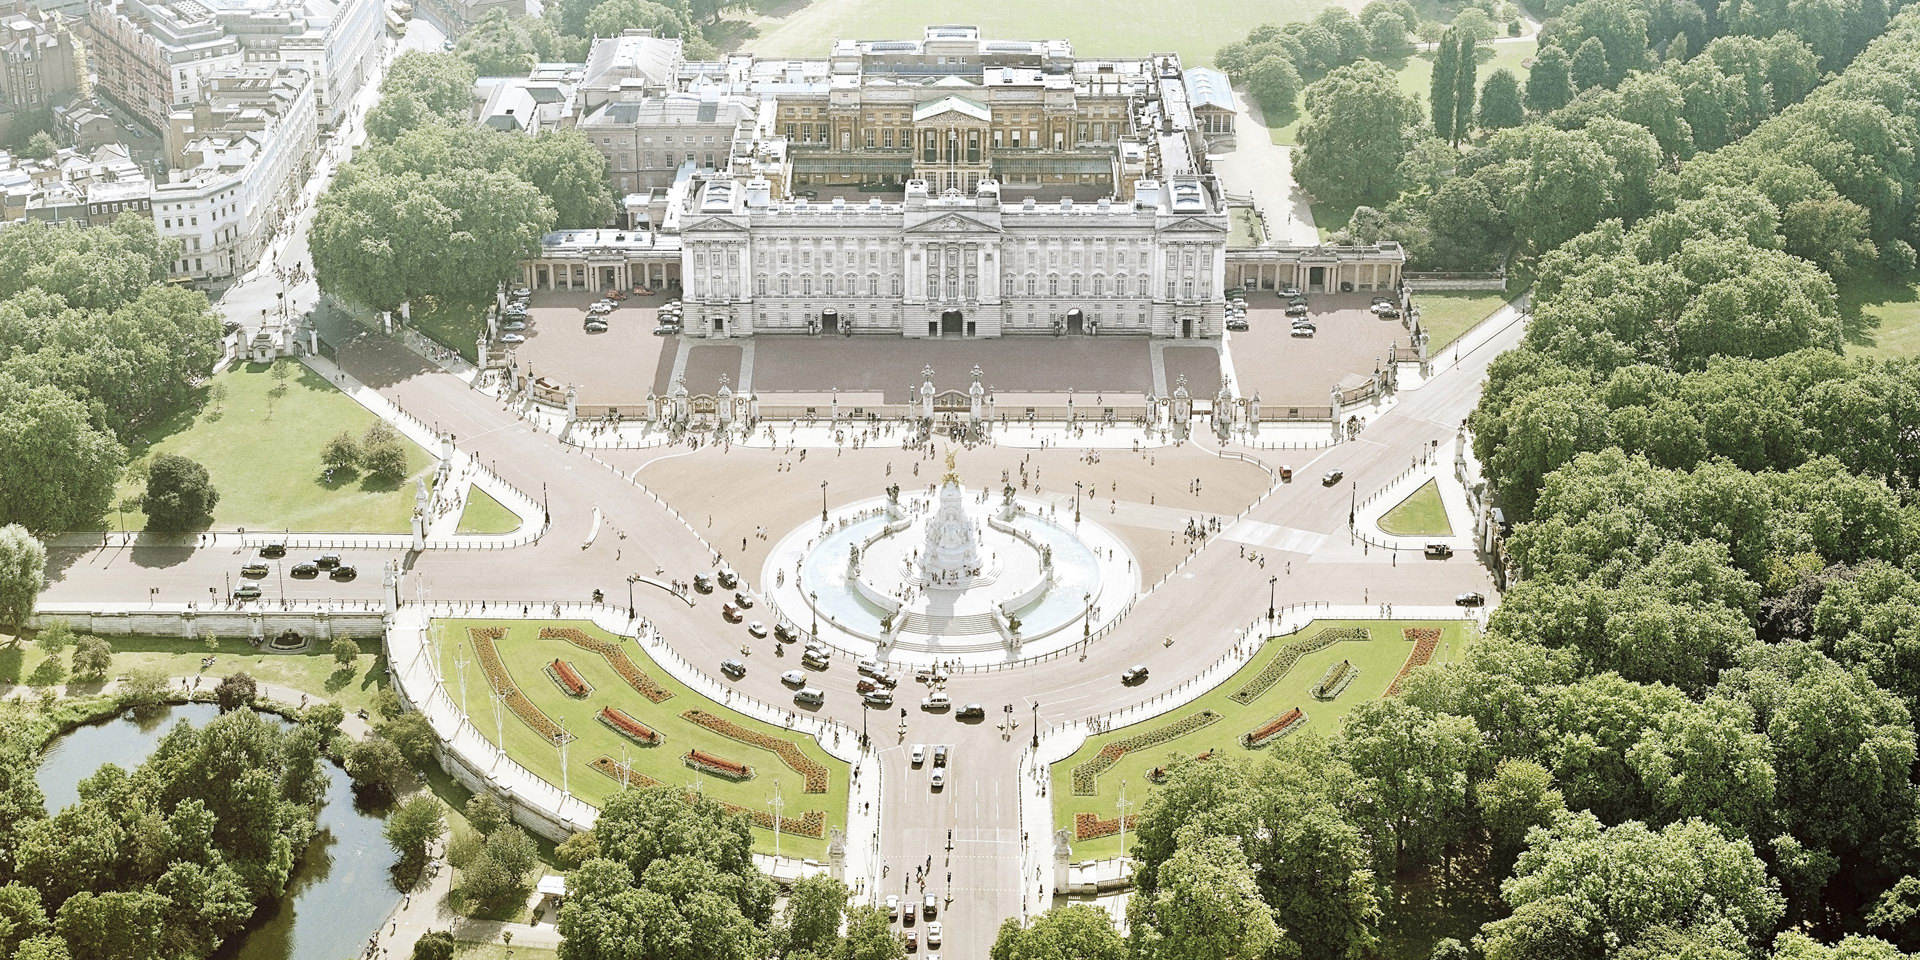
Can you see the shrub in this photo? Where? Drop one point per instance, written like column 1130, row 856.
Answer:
column 1290, row 655
column 235, row 692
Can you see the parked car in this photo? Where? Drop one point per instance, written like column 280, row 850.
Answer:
column 1237, row 323
column 247, row 591
column 939, row 779
column 595, row 326
column 1299, row 311
column 1438, row 551
column 971, row 711
column 940, row 754
column 304, row 571
column 513, row 338
column 1386, row 312
column 662, row 330
column 273, row 551
column 933, row 934
column 1134, row 674
column 514, row 326
column 794, row 678
column 930, row 906
column 343, row 572
column 919, row 757
column 936, row 702
column 253, row 570
column 1302, row 332
column 758, row 629
column 728, row 579
column 520, row 293
column 1380, row 298
column 1332, row 477
column 912, row 941
column 893, row 908
column 1470, row 599
column 1290, row 292
column 733, row 668
column 327, row 561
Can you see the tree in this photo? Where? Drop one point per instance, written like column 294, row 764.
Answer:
column 41, row 147
column 815, row 905
column 23, row 565
column 1589, row 67
column 869, row 936
column 413, row 735
column 604, row 917
column 421, row 88
column 22, row 916
column 345, row 652
column 1077, row 931
column 1466, row 75
column 414, row 824
column 180, row 494
column 377, row 766
column 1275, row 84
column 434, row 945
column 1500, row 102
column 610, row 18
column 236, row 691
column 1207, row 906
column 145, row 687
column 1442, row 88
column 1355, row 136
column 341, row 452
column 385, row 461
column 572, row 175
column 55, row 637
column 485, row 814
column 92, row 659
column 1549, row 83
column 1418, row 767
column 57, row 470
column 1557, row 194
column 113, row 926
column 1518, row 798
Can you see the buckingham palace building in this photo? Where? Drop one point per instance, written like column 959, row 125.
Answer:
column 950, row 186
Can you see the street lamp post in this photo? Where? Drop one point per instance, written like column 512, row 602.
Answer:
column 1086, row 618
column 630, row 609
column 823, row 501
column 1353, row 504
column 1270, row 582
column 1036, row 728
column 1076, row 501
column 815, row 596
column 546, row 513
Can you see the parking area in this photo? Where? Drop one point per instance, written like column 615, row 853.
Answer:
column 892, row 365
column 616, row 366
column 1285, row 369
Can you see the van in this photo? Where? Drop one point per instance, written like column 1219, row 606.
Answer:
column 809, row 697
column 1438, row 551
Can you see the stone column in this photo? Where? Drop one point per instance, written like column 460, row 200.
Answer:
column 1334, row 396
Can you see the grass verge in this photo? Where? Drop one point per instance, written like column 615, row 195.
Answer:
column 484, row 514
column 1421, row 514
column 312, row 672
column 1448, row 314
column 1378, row 659
column 1881, row 318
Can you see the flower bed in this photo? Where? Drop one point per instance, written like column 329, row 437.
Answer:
column 789, row 754
column 1425, row 639
column 717, row 765
column 1089, row 826
column 1290, row 655
column 1334, row 680
column 812, row 824
column 619, row 722
column 483, row 639
column 568, row 679
column 631, row 673
column 1273, row 729
column 1086, row 776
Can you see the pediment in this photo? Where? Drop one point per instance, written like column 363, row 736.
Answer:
column 953, row 223
column 1194, row 225
column 715, row 223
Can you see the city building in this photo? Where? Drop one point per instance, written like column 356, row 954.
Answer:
column 74, row 187
column 40, row 58
column 154, row 55
column 538, row 103
column 647, row 141
column 238, row 161
column 457, row 16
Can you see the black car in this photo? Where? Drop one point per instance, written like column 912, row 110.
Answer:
column 304, row 571
column 1299, row 311
column 1470, row 599
column 327, row 561
column 273, row 551
column 971, row 711
column 344, row 571
column 1237, row 323
column 1134, row 674
column 728, row 579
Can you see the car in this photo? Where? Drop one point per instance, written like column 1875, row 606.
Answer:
column 879, row 698
column 520, row 293
column 599, row 310
column 662, row 330
column 744, row 599
column 1290, row 292
column 728, row 579
column 933, row 934
column 784, row 632
column 930, row 906
column 758, row 629
column 919, row 756
column 794, row 678
column 815, row 646
column 939, row 779
column 907, row 915
column 514, row 326
column 886, row 679
column 866, row 686
column 1471, row 598
column 731, row 613
column 1386, row 312
column 912, row 941
column 343, row 572
column 1299, row 311
column 247, row 591
column 254, row 570
column 868, row 666
column 1302, row 332
column 327, row 561
column 446, row 45
column 513, row 338
column 273, row 551
column 1438, row 551
column 702, row 583
column 594, row 326
column 1237, row 323
column 893, row 908
column 809, row 697
column 1308, row 325
column 933, row 674
column 936, row 701
column 1134, row 674
column 939, row 754
column 816, row 660
column 1332, row 477
column 304, row 571
column 733, row 668
column 1380, row 298
column 971, row 711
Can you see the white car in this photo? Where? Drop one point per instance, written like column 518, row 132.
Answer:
column 893, row 908
column 868, row 666
column 939, row 778
column 919, row 754
column 758, row 629
column 794, row 678
column 513, row 338
column 936, row 701
column 933, row 934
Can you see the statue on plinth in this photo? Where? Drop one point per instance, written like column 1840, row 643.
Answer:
column 952, row 545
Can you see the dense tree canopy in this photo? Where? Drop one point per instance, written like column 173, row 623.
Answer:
column 1355, row 136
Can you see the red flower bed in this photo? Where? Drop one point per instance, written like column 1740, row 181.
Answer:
column 717, row 765
column 1425, row 639
column 1290, row 655
column 628, row 727
column 611, row 768
column 569, row 680
column 483, row 639
column 789, row 754
column 1091, row 826
column 632, row 674
column 1086, row 776
column 812, row 824
column 1273, row 729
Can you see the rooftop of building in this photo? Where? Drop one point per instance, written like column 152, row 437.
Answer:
column 634, row 54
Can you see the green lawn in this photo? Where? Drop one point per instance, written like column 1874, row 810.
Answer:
column 455, row 325
column 1881, row 318
column 313, row 672
column 484, row 514
column 1421, row 514
column 264, row 456
column 1244, row 228
column 1414, row 71
column 1378, row 659
column 1448, row 314
column 526, row 658
column 808, row 28
column 494, row 951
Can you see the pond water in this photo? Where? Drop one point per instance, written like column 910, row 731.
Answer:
column 340, row 889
